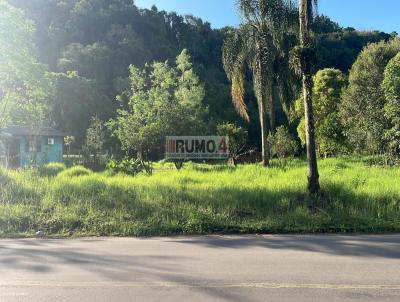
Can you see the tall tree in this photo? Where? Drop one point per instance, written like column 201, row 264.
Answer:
column 305, row 56
column 327, row 92
column 256, row 45
column 243, row 48
column 163, row 101
column 23, row 82
column 363, row 103
column 391, row 88
column 75, row 101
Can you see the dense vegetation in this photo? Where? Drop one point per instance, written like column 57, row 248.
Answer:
column 200, row 199
column 88, row 46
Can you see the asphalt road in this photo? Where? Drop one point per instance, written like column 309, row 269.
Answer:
column 229, row 268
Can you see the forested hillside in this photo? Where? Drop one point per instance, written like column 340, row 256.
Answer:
column 88, row 45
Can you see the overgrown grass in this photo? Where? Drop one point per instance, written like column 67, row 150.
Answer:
column 201, row 199
column 52, row 169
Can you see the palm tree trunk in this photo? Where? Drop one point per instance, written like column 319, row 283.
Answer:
column 305, row 15
column 260, row 85
column 264, row 134
column 272, row 111
column 312, row 166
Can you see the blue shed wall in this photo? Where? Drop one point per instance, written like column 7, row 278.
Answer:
column 48, row 153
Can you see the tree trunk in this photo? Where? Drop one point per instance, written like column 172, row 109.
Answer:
column 264, row 134
column 260, row 85
column 272, row 115
column 305, row 14
column 312, row 167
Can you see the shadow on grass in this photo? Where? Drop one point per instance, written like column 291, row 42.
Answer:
column 231, row 209
column 93, row 206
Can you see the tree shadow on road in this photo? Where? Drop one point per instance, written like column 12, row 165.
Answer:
column 383, row 246
column 41, row 259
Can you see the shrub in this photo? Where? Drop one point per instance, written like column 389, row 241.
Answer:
column 237, row 137
column 75, row 171
column 129, row 166
column 282, row 144
column 52, row 169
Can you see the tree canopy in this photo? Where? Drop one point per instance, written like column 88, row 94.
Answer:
column 327, row 92
column 363, row 103
column 391, row 89
column 88, row 45
column 23, row 82
column 163, row 101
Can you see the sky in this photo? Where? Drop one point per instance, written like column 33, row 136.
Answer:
column 380, row 15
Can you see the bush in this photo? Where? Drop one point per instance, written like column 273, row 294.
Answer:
column 129, row 166
column 52, row 169
column 237, row 137
column 282, row 144
column 75, row 171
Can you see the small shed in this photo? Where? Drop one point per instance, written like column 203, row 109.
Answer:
column 24, row 146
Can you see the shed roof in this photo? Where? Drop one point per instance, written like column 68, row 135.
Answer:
column 31, row 131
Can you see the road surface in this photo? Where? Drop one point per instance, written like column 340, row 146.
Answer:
column 228, row 268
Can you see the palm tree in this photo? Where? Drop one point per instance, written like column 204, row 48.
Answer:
column 256, row 45
column 305, row 55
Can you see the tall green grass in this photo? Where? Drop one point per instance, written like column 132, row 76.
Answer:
column 51, row 169
column 201, row 199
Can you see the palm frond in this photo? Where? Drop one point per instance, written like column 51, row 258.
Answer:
column 235, row 54
column 238, row 93
column 248, row 10
column 257, row 44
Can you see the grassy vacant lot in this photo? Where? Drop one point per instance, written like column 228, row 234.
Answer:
column 200, row 199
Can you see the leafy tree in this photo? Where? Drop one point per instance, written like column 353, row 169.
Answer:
column 95, row 136
column 363, row 105
column 323, row 25
column 237, row 138
column 339, row 47
column 391, row 89
column 305, row 54
column 328, row 86
column 163, row 101
column 23, row 82
column 68, row 142
column 93, row 149
column 255, row 46
column 283, row 145
column 75, row 101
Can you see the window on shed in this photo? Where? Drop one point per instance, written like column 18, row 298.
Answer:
column 50, row 141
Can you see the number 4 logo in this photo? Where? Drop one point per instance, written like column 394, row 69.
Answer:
column 223, row 146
